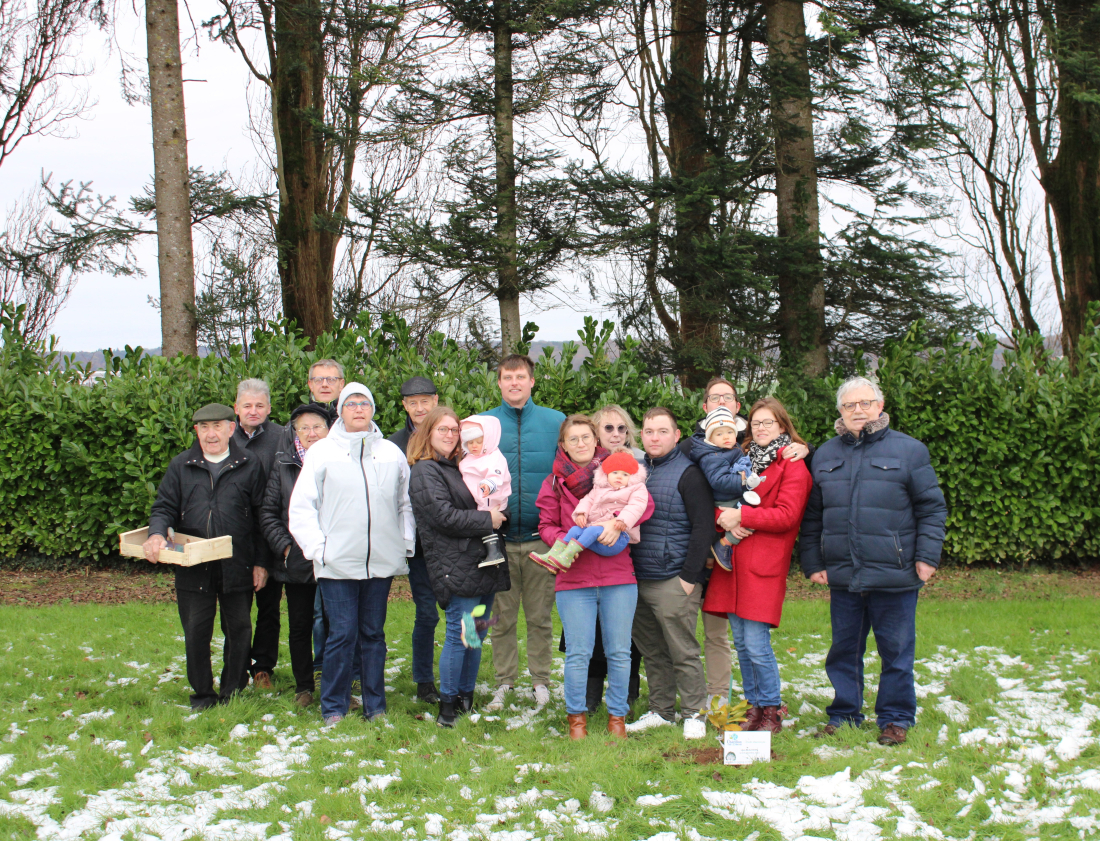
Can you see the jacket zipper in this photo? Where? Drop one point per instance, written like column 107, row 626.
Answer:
column 519, row 469
column 897, row 548
column 366, row 490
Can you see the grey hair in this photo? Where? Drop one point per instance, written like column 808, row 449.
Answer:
column 631, row 430
column 327, row 363
column 853, row 383
column 254, row 386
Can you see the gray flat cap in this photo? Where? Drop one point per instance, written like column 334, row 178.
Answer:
column 417, row 385
column 213, row 412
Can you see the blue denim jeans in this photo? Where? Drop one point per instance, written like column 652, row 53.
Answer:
column 589, row 538
column 893, row 618
column 427, row 617
column 319, row 634
column 458, row 664
column 578, row 610
column 356, row 610
column 759, row 671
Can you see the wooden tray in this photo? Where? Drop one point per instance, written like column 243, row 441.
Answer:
column 196, row 550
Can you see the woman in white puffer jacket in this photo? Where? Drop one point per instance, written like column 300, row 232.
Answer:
column 350, row 514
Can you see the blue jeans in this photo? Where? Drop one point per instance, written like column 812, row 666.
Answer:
column 578, row 610
column 759, row 671
column 893, row 618
column 356, row 610
column 427, row 617
column 588, row 537
column 319, row 634
column 458, row 664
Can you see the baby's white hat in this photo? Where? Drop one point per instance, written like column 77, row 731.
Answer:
column 471, row 431
column 716, row 419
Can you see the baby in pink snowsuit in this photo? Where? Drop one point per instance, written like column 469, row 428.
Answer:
column 484, row 469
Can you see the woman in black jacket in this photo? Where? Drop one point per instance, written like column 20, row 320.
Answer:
column 308, row 425
column 451, row 530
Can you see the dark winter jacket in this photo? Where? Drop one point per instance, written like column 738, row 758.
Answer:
column 451, row 529
column 192, row 502
column 529, row 440
column 722, row 467
column 262, row 446
column 676, row 540
column 876, row 509
column 295, row 568
column 402, row 436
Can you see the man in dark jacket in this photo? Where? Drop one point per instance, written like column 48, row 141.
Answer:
column 872, row 532
column 213, row 489
column 308, row 424
column 419, row 397
column 670, row 564
column 261, row 439
column 529, row 440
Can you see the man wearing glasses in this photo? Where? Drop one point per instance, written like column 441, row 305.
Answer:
column 326, row 381
column 872, row 532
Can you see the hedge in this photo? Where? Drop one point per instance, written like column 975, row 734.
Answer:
column 1015, row 447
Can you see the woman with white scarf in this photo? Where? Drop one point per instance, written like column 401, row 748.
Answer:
column 350, row 514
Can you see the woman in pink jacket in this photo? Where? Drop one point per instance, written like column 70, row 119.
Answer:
column 593, row 585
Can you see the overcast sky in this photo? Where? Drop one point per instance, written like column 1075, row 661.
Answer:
column 111, row 149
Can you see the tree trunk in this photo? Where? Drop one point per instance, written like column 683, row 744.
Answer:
column 689, row 160
column 508, row 287
column 800, row 282
column 171, row 182
column 1072, row 181
column 307, row 250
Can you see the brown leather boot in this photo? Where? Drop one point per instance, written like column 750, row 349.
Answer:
column 772, row 719
column 616, row 726
column 752, row 719
column 578, row 725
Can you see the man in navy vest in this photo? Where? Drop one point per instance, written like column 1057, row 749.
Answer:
column 670, row 563
column 872, row 532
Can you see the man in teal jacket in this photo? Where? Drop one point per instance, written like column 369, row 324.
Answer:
column 529, row 440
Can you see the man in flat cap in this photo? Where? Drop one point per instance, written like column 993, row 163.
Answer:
column 419, row 397
column 213, row 489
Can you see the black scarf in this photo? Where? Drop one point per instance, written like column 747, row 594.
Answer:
column 763, row 456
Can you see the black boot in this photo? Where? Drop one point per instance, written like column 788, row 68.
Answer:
column 446, row 713
column 594, row 694
column 494, row 556
column 632, row 688
column 427, row 692
column 464, row 703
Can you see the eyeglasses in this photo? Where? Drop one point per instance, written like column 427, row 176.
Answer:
column 583, row 439
column 764, row 424
column 447, row 430
column 326, row 380
column 311, row 430
column 609, row 428
column 357, row 404
column 728, row 399
column 863, row 404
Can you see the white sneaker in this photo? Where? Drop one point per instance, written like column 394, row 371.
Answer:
column 542, row 695
column 497, row 703
column 650, row 719
column 695, row 727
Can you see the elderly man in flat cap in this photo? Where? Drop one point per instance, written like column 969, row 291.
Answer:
column 213, row 489
column 419, row 397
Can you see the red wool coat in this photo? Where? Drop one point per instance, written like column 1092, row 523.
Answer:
column 758, row 584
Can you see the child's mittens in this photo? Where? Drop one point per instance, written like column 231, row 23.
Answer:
column 752, row 480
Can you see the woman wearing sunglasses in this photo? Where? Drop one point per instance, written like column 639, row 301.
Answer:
column 350, row 513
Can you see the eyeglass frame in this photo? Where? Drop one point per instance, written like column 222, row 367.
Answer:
column 863, row 404
column 326, row 380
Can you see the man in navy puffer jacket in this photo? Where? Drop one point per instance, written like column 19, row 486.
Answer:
column 873, row 532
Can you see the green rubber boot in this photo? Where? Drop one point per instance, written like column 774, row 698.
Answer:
column 570, row 554
column 552, row 559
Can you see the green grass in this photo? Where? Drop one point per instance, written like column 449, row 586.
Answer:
column 1021, row 675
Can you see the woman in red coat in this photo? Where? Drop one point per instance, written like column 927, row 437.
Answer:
column 752, row 594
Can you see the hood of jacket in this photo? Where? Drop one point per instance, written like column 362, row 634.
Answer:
column 490, row 428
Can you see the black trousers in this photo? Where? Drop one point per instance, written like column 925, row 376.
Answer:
column 197, row 611
column 265, row 642
column 299, row 616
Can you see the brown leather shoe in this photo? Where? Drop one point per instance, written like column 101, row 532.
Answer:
column 752, row 719
column 892, row 735
column 262, row 680
column 578, row 725
column 616, row 726
column 827, row 730
column 303, row 699
column 772, row 719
